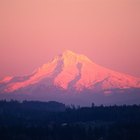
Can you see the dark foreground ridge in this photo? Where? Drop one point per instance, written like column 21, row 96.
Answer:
column 33, row 120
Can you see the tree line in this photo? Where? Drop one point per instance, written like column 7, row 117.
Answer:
column 34, row 120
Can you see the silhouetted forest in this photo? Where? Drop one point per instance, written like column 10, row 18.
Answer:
column 33, row 120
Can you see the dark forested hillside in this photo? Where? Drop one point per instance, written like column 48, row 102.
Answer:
column 32, row 120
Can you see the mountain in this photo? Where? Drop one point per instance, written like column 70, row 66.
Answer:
column 67, row 74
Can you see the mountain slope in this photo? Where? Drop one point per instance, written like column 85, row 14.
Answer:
column 72, row 71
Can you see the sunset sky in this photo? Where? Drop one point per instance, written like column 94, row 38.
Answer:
column 34, row 31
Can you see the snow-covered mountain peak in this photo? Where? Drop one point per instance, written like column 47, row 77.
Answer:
column 72, row 71
column 70, row 57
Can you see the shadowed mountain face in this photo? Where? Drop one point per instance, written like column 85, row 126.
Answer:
column 69, row 75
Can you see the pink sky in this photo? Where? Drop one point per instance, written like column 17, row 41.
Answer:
column 34, row 31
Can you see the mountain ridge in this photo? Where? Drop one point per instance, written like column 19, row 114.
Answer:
column 72, row 71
